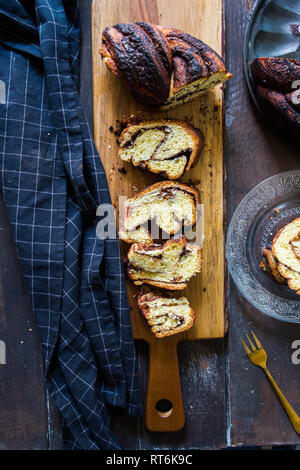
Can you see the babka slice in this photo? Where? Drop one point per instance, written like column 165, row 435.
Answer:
column 169, row 265
column 166, row 147
column 282, row 260
column 282, row 248
column 165, row 314
column 196, row 67
column 170, row 205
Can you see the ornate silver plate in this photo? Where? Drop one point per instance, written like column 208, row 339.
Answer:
column 270, row 205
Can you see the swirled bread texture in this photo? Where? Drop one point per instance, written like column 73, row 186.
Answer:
column 282, row 260
column 169, row 265
column 166, row 147
column 170, row 205
column 165, row 314
column 161, row 66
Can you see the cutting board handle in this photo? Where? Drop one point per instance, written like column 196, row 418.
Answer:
column 164, row 404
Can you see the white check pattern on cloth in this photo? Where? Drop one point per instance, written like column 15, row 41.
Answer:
column 53, row 180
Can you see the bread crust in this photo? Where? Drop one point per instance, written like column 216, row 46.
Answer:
column 162, row 285
column 192, row 59
column 195, row 133
column 139, row 54
column 271, row 266
column 170, row 185
column 275, row 80
column 275, row 73
column 275, row 102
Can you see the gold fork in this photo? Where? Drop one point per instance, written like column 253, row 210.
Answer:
column 258, row 356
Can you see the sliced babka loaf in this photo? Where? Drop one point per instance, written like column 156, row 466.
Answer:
column 161, row 66
column 167, row 147
column 169, row 265
column 170, row 205
column 165, row 314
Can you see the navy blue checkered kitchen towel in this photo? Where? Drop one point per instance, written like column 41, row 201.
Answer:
column 52, row 180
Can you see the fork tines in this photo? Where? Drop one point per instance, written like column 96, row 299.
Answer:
column 254, row 348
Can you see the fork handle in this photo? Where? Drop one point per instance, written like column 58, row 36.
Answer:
column 294, row 418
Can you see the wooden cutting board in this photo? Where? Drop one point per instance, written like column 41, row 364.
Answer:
column 112, row 101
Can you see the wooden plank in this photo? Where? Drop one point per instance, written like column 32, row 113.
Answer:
column 112, row 102
column 253, row 153
column 23, row 411
column 201, row 363
column 202, row 371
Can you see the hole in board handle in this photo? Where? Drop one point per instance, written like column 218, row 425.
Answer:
column 164, row 408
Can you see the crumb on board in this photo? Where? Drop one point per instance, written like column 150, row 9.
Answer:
column 122, row 170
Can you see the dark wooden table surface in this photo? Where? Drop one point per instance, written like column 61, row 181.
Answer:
column 228, row 401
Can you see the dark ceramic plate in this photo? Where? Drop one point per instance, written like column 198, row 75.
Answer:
column 273, row 30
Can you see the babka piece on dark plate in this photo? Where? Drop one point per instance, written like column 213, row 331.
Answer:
column 161, row 66
column 164, row 313
column 171, row 205
column 167, row 147
column 169, row 265
column 278, row 91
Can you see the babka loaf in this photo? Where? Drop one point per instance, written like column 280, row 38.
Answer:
column 169, row 204
column 165, row 314
column 166, row 147
column 278, row 90
column 282, row 260
column 161, row 66
column 169, row 265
